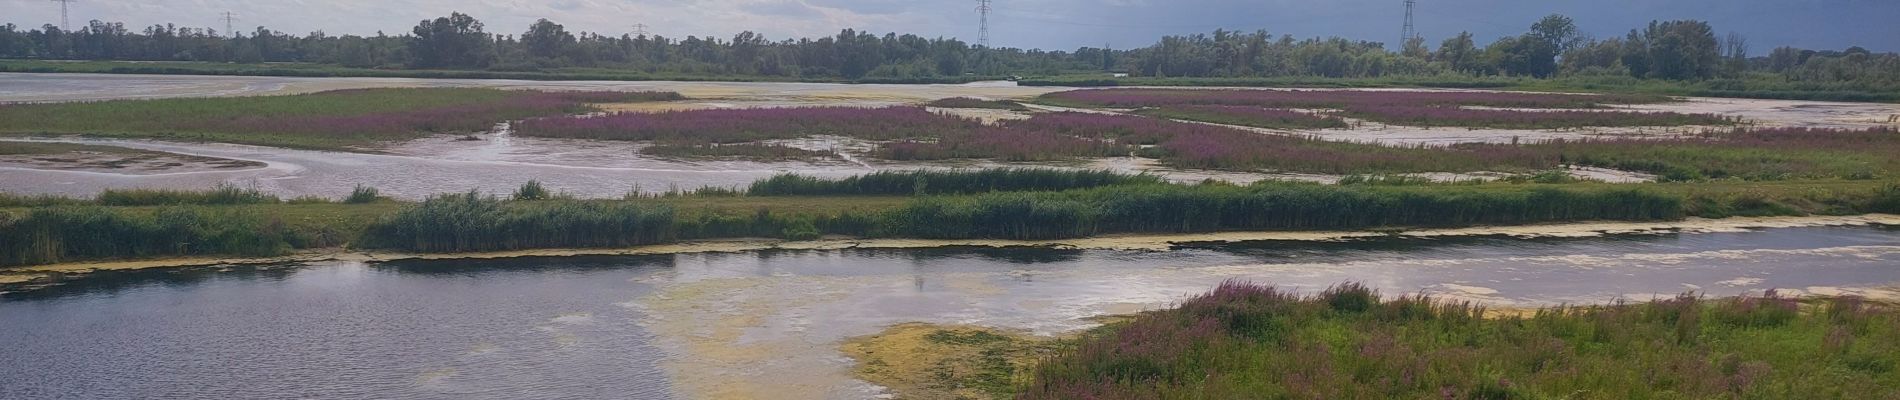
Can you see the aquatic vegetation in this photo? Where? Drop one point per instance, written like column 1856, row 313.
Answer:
column 749, row 151
column 363, row 195
column 532, row 191
column 474, row 222
column 64, row 233
column 1750, row 154
column 1410, row 108
column 1263, row 206
column 1335, row 99
column 925, row 182
column 1191, row 145
column 1245, row 340
column 1246, row 116
column 751, row 125
column 954, row 205
column 1519, row 119
column 971, row 102
column 326, row 120
column 223, row 194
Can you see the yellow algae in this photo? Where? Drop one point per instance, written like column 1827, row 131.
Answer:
column 708, row 321
column 8, row 279
column 931, row 362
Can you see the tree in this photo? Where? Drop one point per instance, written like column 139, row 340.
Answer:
column 546, row 39
column 1599, row 55
column 1415, row 48
column 1460, row 53
column 455, row 41
column 1558, row 31
column 1525, row 55
column 1676, row 50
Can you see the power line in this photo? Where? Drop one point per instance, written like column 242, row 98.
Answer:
column 639, row 30
column 1406, row 35
column 983, row 30
column 229, row 18
column 65, row 23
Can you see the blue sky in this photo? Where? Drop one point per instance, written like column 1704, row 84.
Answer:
column 1050, row 24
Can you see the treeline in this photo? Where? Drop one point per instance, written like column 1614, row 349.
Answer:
column 1669, row 50
column 1683, row 50
column 460, row 41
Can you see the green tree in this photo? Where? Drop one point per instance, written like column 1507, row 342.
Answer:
column 546, row 39
column 455, row 41
column 1460, row 53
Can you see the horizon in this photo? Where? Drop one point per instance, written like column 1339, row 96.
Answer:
column 1768, row 25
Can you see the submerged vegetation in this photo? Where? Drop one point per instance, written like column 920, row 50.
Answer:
column 326, row 120
column 1246, row 340
column 971, row 102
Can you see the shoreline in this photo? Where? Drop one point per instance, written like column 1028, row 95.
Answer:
column 27, row 275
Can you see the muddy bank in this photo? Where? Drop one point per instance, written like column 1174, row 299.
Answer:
column 114, row 160
column 31, row 274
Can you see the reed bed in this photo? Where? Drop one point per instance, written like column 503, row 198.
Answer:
column 1247, row 116
column 955, row 206
column 56, row 234
column 972, row 102
column 1265, row 206
column 1245, row 340
column 1748, row 154
column 223, row 194
column 472, row 222
column 327, row 120
column 1430, row 109
column 749, row 151
column 1191, row 145
column 1517, row 119
column 1335, row 99
column 752, row 125
column 933, row 182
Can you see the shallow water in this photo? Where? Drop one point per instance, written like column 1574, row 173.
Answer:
column 767, row 324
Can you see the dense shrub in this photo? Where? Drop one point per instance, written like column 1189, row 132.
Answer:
column 1244, row 340
column 473, row 222
column 1269, row 206
column 56, row 234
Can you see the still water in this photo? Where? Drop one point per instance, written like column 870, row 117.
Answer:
column 768, row 323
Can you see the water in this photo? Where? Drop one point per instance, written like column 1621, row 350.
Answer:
column 767, row 324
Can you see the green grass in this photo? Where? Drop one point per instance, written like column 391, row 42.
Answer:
column 1246, row 341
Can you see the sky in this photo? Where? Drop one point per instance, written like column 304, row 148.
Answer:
column 1046, row 24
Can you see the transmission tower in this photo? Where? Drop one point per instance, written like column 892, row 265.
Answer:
column 1406, row 35
column 639, row 30
column 983, row 30
column 228, row 27
column 64, row 23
